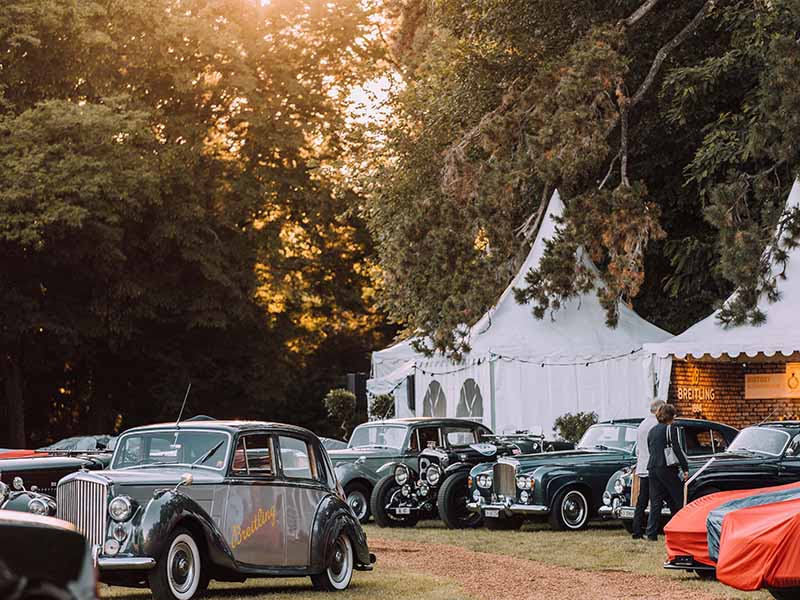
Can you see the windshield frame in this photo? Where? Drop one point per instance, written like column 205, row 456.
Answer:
column 783, row 448
column 403, row 444
column 615, row 448
column 122, row 438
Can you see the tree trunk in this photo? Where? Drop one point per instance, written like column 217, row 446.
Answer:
column 15, row 401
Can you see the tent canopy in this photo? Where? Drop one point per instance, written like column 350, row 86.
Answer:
column 779, row 334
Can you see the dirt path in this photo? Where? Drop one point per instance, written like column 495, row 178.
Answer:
column 496, row 577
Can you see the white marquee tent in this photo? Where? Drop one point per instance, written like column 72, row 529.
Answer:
column 522, row 372
column 778, row 335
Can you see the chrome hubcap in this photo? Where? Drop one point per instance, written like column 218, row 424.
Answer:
column 340, row 563
column 181, row 567
column 573, row 509
column 358, row 504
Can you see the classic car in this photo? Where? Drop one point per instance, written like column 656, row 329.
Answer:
column 333, row 444
column 25, row 540
column 699, row 438
column 761, row 456
column 16, row 497
column 183, row 504
column 375, row 448
column 68, row 446
column 43, row 472
column 439, row 484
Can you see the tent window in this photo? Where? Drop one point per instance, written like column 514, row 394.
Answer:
column 470, row 405
column 434, row 404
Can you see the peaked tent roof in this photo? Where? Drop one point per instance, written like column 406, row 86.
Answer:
column 779, row 333
column 575, row 333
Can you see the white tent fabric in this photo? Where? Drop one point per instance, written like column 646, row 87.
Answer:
column 522, row 372
column 778, row 335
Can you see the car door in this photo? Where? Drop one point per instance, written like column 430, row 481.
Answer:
column 305, row 485
column 254, row 523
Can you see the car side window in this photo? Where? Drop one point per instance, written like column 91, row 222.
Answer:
column 428, row 436
column 297, row 458
column 460, row 436
column 720, row 443
column 253, row 455
column 793, row 449
column 697, row 440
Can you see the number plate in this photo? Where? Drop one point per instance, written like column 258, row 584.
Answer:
column 402, row 510
column 492, row 513
column 626, row 512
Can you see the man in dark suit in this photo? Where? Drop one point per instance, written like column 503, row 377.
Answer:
column 666, row 481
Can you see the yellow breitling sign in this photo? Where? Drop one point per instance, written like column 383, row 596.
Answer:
column 262, row 518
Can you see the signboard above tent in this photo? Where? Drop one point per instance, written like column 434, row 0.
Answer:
column 773, row 385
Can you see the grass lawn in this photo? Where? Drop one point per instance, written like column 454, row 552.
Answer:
column 604, row 547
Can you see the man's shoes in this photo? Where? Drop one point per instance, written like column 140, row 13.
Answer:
column 652, row 538
column 637, row 536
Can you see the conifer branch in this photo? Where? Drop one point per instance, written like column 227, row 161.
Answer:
column 639, row 13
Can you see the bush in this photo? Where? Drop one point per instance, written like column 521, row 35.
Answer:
column 382, row 407
column 341, row 406
column 571, row 427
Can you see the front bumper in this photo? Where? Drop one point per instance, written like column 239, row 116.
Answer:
column 508, row 509
column 688, row 563
column 625, row 513
column 125, row 563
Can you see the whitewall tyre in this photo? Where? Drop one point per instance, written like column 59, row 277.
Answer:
column 570, row 511
column 178, row 575
column 337, row 576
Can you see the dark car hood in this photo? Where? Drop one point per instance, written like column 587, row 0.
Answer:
column 352, row 454
column 726, row 460
column 158, row 477
column 571, row 457
column 15, row 465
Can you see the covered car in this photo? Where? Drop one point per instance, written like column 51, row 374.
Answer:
column 687, row 534
column 759, row 548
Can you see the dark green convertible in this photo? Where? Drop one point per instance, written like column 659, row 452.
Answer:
column 564, row 487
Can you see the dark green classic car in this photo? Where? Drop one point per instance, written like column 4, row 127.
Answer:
column 377, row 447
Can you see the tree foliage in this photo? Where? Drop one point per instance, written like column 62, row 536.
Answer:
column 172, row 209
column 667, row 127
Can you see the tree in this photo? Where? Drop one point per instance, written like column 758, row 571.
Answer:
column 628, row 108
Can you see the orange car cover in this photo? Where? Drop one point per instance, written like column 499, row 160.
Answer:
column 686, row 533
column 20, row 453
column 759, row 547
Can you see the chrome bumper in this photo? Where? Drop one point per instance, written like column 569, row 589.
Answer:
column 507, row 509
column 607, row 512
column 626, row 512
column 124, row 563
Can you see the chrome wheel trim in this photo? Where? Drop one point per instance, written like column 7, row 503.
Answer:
column 183, row 567
column 358, row 503
column 340, row 572
column 574, row 509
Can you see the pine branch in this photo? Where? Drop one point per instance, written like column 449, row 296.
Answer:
column 639, row 13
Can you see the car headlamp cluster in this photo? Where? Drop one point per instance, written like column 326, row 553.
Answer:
column 433, row 475
column 39, row 506
column 401, row 474
column 484, row 481
column 120, row 508
column 524, row 482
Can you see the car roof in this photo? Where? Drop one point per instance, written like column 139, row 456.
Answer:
column 231, row 426
column 790, row 427
column 634, row 421
column 425, row 421
column 690, row 421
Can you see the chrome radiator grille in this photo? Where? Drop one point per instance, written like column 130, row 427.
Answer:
column 504, row 480
column 83, row 503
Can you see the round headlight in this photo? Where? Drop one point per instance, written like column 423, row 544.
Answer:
column 38, row 506
column 524, row 482
column 523, row 497
column 401, row 474
column 119, row 532
column 120, row 508
column 18, row 484
column 476, row 495
column 619, row 486
column 484, row 481
column 607, row 498
column 4, row 492
column 423, row 489
column 433, row 475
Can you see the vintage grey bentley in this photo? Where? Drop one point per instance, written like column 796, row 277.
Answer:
column 225, row 500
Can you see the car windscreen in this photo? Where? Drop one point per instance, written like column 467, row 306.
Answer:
column 378, row 436
column 613, row 437
column 171, row 447
column 760, row 439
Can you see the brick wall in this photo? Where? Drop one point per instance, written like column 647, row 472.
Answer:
column 727, row 381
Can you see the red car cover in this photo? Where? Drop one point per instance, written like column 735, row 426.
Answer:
column 759, row 547
column 20, row 453
column 686, row 533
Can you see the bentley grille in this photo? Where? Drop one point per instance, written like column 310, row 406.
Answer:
column 504, row 478
column 83, row 503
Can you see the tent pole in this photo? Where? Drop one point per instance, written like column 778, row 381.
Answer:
column 492, row 394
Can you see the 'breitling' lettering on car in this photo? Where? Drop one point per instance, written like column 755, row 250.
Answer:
column 259, row 520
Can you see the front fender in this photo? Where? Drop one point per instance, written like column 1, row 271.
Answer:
column 347, row 472
column 334, row 516
column 456, row 467
column 155, row 522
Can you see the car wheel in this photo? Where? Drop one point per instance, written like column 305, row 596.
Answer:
column 384, row 495
column 178, row 574
column 337, row 575
column 357, row 495
column 570, row 511
column 451, row 503
column 508, row 524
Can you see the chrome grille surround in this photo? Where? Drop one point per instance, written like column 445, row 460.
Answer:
column 83, row 501
column 504, row 478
